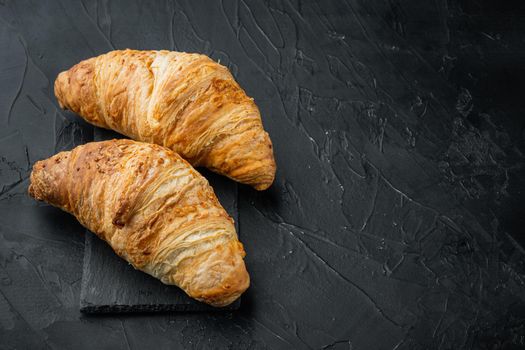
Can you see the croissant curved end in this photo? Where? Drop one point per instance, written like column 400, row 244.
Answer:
column 264, row 167
column 218, row 277
column 264, row 182
column 75, row 90
column 230, row 289
column 46, row 180
column 61, row 85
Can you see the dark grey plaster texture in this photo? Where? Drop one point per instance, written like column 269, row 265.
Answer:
column 396, row 217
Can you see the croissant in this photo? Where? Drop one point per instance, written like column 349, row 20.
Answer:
column 155, row 211
column 183, row 101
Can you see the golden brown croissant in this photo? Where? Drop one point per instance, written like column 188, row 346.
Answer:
column 186, row 102
column 155, row 211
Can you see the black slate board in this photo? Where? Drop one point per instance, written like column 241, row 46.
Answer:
column 110, row 284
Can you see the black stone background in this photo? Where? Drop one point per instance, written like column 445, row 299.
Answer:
column 395, row 221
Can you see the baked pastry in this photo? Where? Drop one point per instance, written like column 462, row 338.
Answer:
column 155, row 211
column 183, row 101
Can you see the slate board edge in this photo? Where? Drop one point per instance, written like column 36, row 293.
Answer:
column 88, row 308
column 87, row 257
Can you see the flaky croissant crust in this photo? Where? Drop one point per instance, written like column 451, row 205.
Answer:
column 155, row 211
column 186, row 102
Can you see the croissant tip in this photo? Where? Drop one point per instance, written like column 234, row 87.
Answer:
column 30, row 191
column 60, row 87
column 35, row 189
column 218, row 276
column 263, row 186
column 226, row 297
column 266, row 180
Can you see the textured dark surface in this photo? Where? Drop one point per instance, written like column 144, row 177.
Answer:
column 110, row 284
column 396, row 218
